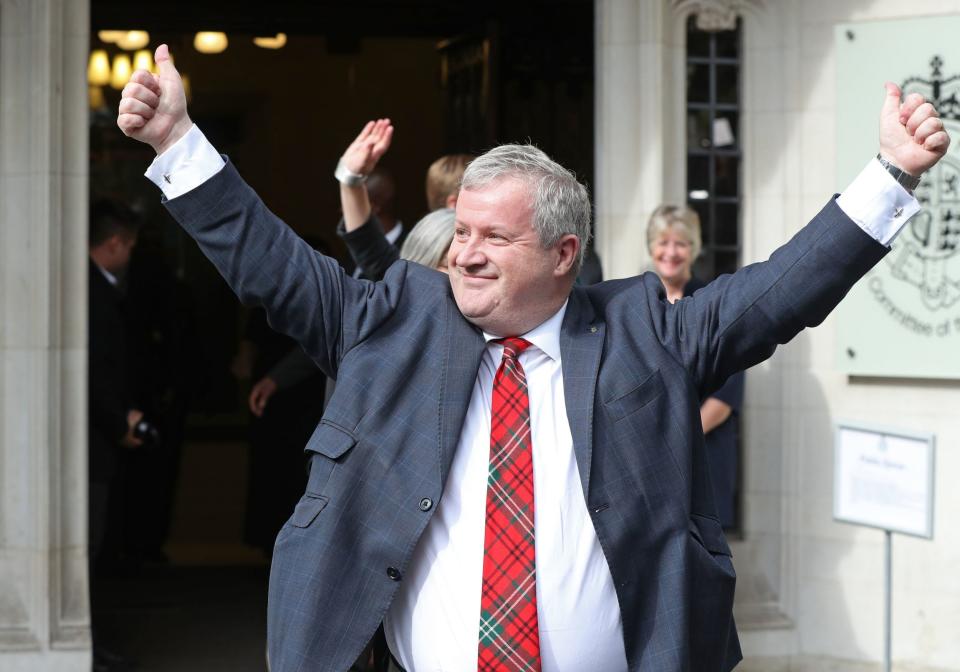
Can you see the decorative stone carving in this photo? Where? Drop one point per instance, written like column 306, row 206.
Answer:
column 715, row 15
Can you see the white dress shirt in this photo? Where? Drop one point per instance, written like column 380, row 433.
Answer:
column 433, row 622
column 108, row 276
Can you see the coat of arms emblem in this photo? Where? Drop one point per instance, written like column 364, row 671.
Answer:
column 924, row 252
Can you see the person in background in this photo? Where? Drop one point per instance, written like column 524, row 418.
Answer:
column 443, row 180
column 427, row 244
column 163, row 361
column 112, row 418
column 372, row 250
column 674, row 243
column 382, row 196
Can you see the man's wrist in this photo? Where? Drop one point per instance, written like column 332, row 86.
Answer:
column 179, row 130
column 906, row 180
column 347, row 177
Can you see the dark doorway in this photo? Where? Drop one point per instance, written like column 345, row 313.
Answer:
column 453, row 77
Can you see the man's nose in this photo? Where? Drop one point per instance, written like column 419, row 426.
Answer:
column 470, row 254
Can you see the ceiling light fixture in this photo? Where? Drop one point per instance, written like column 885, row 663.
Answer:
column 275, row 42
column 210, row 42
column 98, row 68
column 143, row 60
column 134, row 39
column 111, row 36
column 121, row 71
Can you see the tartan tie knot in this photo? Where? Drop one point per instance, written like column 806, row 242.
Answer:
column 513, row 346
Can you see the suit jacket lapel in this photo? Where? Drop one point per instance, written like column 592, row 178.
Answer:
column 581, row 345
column 463, row 349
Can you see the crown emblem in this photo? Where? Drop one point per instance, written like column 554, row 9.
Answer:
column 939, row 91
column 923, row 255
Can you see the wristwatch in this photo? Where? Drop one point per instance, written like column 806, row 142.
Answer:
column 346, row 176
column 903, row 178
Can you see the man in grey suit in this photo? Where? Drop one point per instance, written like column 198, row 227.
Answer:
column 417, row 497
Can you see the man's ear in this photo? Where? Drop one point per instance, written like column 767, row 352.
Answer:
column 451, row 201
column 568, row 249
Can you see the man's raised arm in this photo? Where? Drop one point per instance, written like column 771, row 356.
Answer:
column 306, row 295
column 738, row 320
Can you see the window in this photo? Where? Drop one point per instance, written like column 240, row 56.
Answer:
column 713, row 144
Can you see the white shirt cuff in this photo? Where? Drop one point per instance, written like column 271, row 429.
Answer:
column 877, row 203
column 188, row 163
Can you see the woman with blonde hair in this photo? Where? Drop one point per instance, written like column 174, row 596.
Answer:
column 674, row 243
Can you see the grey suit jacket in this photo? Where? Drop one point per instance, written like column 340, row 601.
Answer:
column 635, row 368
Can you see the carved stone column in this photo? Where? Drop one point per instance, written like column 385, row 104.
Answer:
column 44, row 605
column 639, row 132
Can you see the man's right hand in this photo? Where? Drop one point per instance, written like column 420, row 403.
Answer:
column 129, row 440
column 912, row 136
column 260, row 395
column 153, row 108
column 373, row 142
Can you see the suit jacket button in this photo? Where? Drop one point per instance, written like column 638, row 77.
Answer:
column 393, row 573
column 426, row 504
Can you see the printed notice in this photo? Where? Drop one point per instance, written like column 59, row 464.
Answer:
column 884, row 479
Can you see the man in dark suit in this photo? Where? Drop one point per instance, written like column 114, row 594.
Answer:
column 511, row 473
column 113, row 234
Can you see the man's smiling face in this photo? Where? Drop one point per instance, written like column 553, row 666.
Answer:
column 503, row 279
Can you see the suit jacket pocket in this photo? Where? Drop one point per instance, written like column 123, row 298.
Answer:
column 329, row 445
column 331, row 440
column 623, row 404
column 308, row 508
column 709, row 533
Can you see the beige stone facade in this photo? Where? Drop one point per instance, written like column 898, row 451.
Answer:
column 44, row 619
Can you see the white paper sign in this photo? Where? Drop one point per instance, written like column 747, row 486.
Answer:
column 884, row 478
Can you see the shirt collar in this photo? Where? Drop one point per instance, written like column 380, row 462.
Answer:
column 394, row 233
column 111, row 278
column 545, row 336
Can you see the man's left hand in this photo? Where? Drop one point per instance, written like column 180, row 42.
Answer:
column 912, row 136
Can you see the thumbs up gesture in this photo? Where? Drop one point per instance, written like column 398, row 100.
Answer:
column 153, row 108
column 912, row 135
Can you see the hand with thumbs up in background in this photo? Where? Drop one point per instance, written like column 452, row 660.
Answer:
column 912, row 136
column 153, row 108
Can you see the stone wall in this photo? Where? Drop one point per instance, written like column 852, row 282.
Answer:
column 44, row 612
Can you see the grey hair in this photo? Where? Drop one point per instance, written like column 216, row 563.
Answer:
column 430, row 238
column 561, row 205
column 680, row 218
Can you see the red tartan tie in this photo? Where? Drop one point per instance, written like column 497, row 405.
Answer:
column 509, row 636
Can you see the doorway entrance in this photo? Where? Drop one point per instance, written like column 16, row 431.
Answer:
column 183, row 582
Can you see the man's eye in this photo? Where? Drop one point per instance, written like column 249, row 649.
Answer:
column 460, row 233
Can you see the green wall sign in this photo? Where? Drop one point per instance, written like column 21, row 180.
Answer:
column 903, row 318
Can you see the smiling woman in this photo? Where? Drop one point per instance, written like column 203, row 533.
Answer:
column 674, row 243
column 673, row 240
